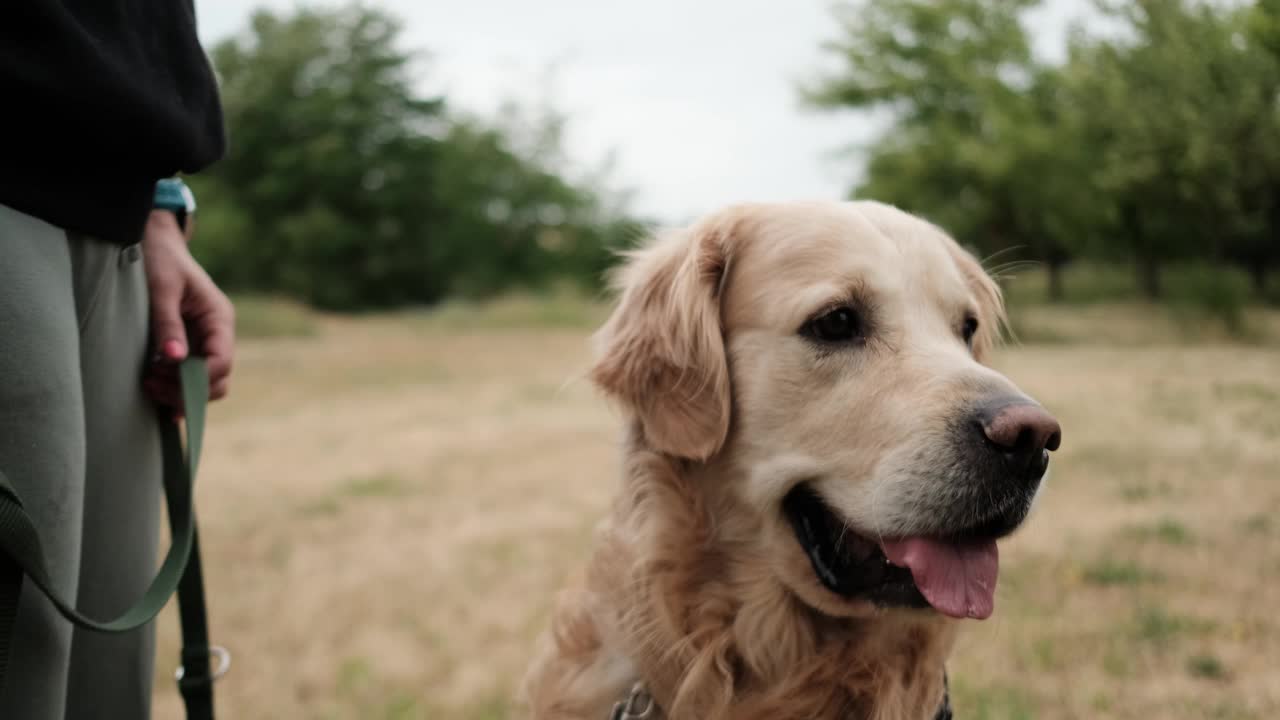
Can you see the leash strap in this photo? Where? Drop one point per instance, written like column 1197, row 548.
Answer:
column 21, row 554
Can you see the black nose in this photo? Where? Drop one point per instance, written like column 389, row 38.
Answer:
column 1023, row 433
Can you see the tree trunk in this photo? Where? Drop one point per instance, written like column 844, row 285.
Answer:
column 1149, row 276
column 1056, row 293
column 1258, row 274
column 1148, row 266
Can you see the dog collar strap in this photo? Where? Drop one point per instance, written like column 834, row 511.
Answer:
column 639, row 704
column 944, row 712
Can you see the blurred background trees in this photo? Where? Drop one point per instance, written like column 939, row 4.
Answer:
column 344, row 188
column 1154, row 145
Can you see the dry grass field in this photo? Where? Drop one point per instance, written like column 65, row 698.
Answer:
column 389, row 503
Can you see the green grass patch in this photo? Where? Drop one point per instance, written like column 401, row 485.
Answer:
column 375, row 486
column 1106, row 573
column 402, row 706
column 354, row 675
column 1155, row 625
column 323, row 507
column 1263, row 419
column 1168, row 531
column 1246, row 391
column 1085, row 283
column 1137, row 491
column 1045, row 652
column 1082, row 283
column 992, row 703
column 1259, row 524
column 562, row 309
column 1027, row 331
column 1102, row 305
column 279, row 554
column 1202, row 293
column 1224, row 710
column 1206, row 666
column 1117, row 660
column 261, row 317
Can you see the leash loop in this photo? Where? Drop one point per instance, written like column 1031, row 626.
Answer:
column 224, row 664
column 639, row 705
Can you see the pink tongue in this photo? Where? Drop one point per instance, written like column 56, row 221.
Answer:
column 957, row 579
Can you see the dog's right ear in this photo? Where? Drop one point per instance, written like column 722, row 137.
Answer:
column 662, row 351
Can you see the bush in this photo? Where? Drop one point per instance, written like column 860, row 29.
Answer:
column 1220, row 295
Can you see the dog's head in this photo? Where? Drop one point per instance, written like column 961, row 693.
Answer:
column 830, row 356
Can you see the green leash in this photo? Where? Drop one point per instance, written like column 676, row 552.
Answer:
column 21, row 555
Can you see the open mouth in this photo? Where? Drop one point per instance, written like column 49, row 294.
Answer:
column 955, row 575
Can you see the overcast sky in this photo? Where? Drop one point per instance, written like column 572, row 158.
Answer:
column 697, row 97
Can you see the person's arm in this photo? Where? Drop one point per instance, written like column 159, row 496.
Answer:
column 188, row 311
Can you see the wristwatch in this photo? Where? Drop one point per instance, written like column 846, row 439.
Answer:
column 173, row 195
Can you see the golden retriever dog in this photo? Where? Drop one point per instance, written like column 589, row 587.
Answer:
column 816, row 470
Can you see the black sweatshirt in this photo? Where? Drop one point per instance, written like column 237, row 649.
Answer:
column 98, row 100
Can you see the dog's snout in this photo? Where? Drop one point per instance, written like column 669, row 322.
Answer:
column 1023, row 433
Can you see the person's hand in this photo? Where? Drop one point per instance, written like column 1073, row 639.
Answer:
column 188, row 313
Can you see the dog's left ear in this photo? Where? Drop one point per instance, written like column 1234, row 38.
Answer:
column 991, row 313
column 662, row 351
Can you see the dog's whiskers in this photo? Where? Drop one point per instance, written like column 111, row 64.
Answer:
column 1002, row 271
column 844, row 527
column 875, row 515
column 998, row 253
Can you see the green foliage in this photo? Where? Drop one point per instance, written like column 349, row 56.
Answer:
column 1184, row 122
column 1206, row 666
column 1158, row 142
column 976, row 143
column 374, row 486
column 344, row 188
column 1168, row 531
column 992, row 703
column 1155, row 625
column 1218, row 296
column 554, row 309
column 1109, row 572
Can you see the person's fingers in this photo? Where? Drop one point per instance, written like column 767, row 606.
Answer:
column 166, row 322
column 214, row 319
column 163, row 392
column 218, row 342
column 219, row 389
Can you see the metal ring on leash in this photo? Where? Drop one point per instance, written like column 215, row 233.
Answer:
column 639, row 705
column 224, row 664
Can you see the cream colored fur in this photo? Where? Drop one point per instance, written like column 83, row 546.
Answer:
column 697, row 586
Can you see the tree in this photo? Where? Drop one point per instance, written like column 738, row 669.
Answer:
column 1257, row 36
column 971, row 145
column 330, row 166
column 345, row 188
column 1183, row 117
column 1159, row 142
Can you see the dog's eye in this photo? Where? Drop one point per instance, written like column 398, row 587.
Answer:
column 969, row 329
column 839, row 325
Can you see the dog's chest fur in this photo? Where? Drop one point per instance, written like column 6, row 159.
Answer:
column 713, row 636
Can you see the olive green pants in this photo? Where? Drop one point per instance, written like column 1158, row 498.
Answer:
column 78, row 439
